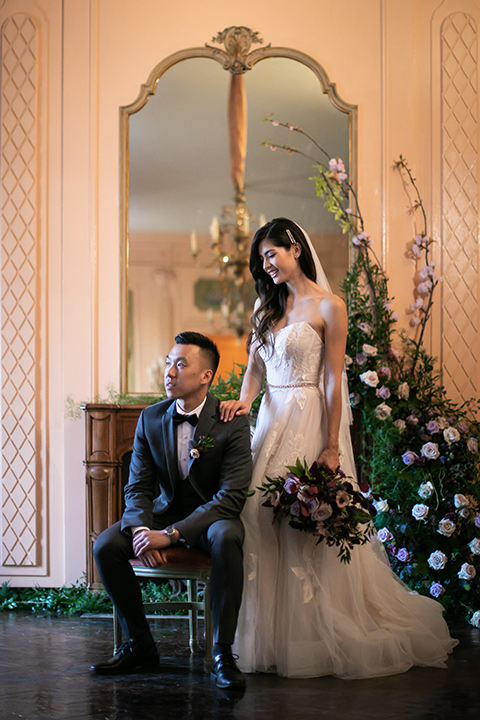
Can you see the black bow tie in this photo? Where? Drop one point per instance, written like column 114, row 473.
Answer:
column 179, row 418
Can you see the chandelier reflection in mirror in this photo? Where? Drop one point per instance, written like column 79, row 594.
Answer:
column 230, row 238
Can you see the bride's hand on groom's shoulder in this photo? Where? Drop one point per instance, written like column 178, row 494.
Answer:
column 230, row 408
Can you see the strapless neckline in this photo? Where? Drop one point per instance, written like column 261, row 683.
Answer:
column 299, row 322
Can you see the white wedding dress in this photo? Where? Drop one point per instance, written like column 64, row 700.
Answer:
column 304, row 613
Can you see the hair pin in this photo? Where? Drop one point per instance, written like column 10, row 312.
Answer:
column 290, row 236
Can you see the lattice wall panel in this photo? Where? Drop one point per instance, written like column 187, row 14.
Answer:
column 19, row 287
column 460, row 338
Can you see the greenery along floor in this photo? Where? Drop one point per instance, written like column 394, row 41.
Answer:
column 77, row 599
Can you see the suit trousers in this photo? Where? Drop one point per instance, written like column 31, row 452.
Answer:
column 223, row 540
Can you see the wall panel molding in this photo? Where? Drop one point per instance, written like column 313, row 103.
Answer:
column 460, row 344
column 21, row 440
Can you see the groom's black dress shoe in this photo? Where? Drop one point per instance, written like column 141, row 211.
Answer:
column 226, row 673
column 130, row 657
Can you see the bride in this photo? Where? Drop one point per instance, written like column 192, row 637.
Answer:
column 304, row 613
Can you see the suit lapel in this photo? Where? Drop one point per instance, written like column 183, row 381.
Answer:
column 205, row 423
column 170, row 443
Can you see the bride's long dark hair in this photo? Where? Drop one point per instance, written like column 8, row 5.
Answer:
column 273, row 298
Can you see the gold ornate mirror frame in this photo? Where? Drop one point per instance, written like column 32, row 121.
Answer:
column 236, row 58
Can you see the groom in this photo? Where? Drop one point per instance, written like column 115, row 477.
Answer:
column 189, row 476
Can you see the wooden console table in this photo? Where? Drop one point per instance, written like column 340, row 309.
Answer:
column 109, row 433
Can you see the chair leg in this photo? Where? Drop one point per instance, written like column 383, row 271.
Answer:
column 192, row 593
column 117, row 631
column 207, row 614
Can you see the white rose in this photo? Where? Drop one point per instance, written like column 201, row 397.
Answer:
column 437, row 560
column 472, row 445
column 381, row 506
column 420, row 511
column 369, row 350
column 475, row 546
column 430, row 451
column 382, row 411
column 475, row 619
column 370, row 378
column 400, row 424
column 194, row 453
column 403, row 391
column 348, row 360
column 461, row 501
column 426, row 490
column 451, row 435
column 467, row 572
column 442, row 422
column 446, row 527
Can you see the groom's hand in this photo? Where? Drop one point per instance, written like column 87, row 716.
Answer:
column 152, row 558
column 144, row 540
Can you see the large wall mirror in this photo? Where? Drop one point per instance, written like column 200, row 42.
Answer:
column 177, row 190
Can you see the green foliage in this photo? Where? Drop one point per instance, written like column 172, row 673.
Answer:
column 77, row 599
column 419, row 449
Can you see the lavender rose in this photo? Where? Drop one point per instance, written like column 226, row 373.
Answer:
column 409, row 457
column 436, row 589
column 384, row 535
column 403, row 555
column 322, row 512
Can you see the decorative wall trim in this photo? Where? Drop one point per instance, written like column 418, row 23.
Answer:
column 19, row 278
column 459, row 192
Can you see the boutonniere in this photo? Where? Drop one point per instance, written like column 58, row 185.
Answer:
column 203, row 444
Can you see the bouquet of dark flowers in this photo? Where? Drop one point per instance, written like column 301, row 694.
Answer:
column 321, row 503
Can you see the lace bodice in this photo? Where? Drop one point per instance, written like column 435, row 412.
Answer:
column 297, row 356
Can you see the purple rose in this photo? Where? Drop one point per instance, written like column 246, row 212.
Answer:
column 291, row 485
column 409, row 457
column 384, row 534
column 433, row 427
column 436, row 589
column 403, row 555
column 383, row 392
column 385, row 372
column 295, row 508
column 360, row 358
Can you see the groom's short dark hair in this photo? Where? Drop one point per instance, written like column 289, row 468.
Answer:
column 210, row 350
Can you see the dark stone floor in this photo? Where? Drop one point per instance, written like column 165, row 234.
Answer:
column 44, row 673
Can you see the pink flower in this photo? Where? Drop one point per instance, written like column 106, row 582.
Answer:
column 383, row 392
column 403, row 555
column 414, row 321
column 409, row 457
column 291, row 485
column 384, row 535
column 436, row 589
column 385, row 372
column 275, row 123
